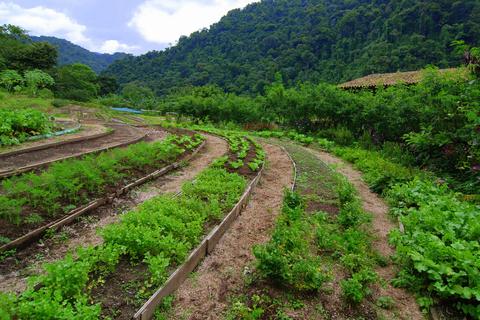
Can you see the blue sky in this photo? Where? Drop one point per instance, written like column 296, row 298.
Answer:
column 134, row 26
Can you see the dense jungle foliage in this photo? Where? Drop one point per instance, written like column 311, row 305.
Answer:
column 308, row 40
column 436, row 122
column 18, row 53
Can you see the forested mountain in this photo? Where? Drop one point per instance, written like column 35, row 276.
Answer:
column 69, row 53
column 309, row 40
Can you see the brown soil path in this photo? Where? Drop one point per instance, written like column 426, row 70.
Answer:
column 84, row 233
column 85, row 131
column 204, row 296
column 122, row 134
column 382, row 225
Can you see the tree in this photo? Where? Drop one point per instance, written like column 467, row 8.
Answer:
column 108, row 85
column 10, row 79
column 76, row 82
column 40, row 55
column 17, row 51
column 11, row 31
column 138, row 96
column 37, row 79
column 308, row 41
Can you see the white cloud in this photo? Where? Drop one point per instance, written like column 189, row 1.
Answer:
column 48, row 22
column 43, row 21
column 164, row 21
column 112, row 46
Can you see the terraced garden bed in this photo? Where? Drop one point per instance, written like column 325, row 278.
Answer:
column 31, row 201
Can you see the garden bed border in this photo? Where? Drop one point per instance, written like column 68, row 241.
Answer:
column 205, row 247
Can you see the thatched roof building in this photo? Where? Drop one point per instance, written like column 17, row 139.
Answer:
column 386, row 79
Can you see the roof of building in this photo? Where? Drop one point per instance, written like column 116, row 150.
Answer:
column 387, row 79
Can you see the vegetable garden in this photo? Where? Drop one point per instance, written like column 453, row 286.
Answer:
column 327, row 252
column 382, row 221
column 145, row 245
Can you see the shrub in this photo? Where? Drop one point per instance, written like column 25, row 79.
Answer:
column 340, row 135
column 18, row 125
column 59, row 103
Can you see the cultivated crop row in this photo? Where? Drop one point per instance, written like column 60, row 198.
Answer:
column 155, row 237
column 439, row 249
column 303, row 245
column 244, row 152
column 31, row 200
column 145, row 246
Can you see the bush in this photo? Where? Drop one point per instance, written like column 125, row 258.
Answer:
column 18, row 125
column 340, row 135
column 45, row 94
column 439, row 251
column 59, row 103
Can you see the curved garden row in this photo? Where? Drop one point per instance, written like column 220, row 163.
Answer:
column 437, row 243
column 31, row 203
column 121, row 136
column 144, row 247
column 57, row 139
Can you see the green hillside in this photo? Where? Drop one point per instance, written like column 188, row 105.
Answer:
column 69, row 53
column 309, row 40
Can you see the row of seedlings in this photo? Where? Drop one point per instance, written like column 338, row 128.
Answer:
column 321, row 241
column 245, row 154
column 437, row 243
column 30, row 201
column 136, row 257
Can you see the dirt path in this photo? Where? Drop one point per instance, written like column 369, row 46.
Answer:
column 122, row 134
column 204, row 296
column 84, row 232
column 86, row 131
column 382, row 225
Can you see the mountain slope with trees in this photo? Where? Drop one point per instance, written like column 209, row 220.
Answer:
column 69, row 53
column 308, row 40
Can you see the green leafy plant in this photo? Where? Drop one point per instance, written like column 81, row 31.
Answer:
column 68, row 184
column 18, row 125
column 287, row 258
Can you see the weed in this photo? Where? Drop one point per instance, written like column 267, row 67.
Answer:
column 33, row 218
column 385, row 302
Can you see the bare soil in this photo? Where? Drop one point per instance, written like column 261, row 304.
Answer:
column 204, row 295
column 127, row 281
column 15, row 270
column 122, row 134
column 86, row 131
column 381, row 223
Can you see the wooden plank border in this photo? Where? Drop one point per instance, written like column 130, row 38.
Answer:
column 208, row 244
column 75, row 213
column 294, row 164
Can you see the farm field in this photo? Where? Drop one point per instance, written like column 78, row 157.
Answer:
column 339, row 262
column 291, row 160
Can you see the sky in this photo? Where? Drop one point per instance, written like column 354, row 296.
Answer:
column 108, row 26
